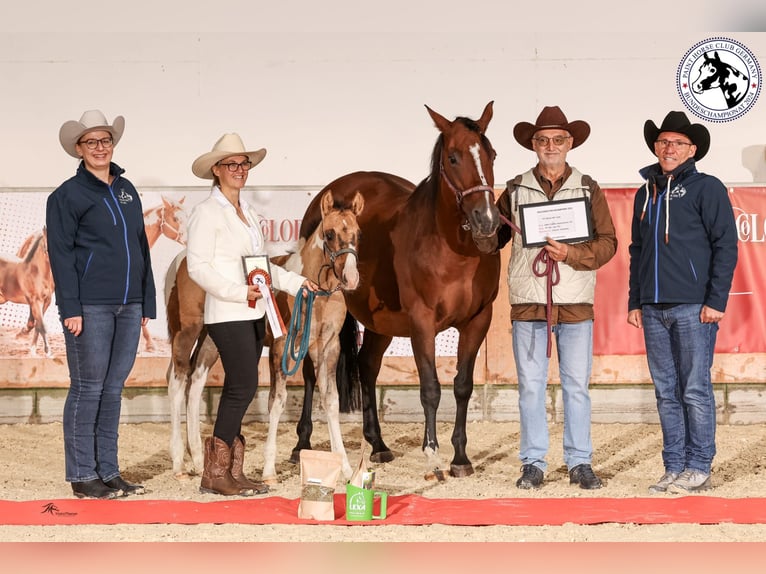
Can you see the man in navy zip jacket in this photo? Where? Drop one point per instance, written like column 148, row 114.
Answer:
column 105, row 292
column 683, row 253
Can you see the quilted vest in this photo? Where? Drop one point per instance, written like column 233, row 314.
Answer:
column 523, row 286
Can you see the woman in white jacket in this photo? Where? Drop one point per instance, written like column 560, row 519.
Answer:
column 222, row 230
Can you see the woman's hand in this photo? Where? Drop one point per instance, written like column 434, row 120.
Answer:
column 73, row 325
column 310, row 286
column 253, row 292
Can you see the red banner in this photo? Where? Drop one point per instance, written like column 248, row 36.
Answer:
column 742, row 328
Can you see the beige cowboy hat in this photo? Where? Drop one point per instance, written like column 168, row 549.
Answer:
column 226, row 146
column 551, row 118
column 92, row 120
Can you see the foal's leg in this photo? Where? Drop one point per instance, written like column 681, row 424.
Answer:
column 176, row 378
column 374, row 345
column 206, row 356
column 327, row 351
column 277, row 400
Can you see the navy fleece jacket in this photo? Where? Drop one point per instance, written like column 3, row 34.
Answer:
column 97, row 244
column 697, row 263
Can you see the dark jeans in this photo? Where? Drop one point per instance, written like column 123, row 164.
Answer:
column 99, row 360
column 240, row 344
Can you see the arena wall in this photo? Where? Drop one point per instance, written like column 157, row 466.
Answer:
column 333, row 89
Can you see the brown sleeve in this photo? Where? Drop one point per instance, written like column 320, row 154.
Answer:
column 505, row 233
column 592, row 254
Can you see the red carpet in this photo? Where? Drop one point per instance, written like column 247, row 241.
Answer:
column 404, row 510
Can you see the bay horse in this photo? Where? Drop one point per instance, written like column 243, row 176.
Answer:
column 27, row 279
column 168, row 219
column 329, row 258
column 427, row 263
column 715, row 73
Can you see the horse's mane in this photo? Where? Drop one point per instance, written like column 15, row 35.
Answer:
column 31, row 253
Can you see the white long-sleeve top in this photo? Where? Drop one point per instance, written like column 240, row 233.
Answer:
column 217, row 241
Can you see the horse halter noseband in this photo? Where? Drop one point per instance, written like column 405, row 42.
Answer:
column 461, row 194
column 164, row 223
column 332, row 256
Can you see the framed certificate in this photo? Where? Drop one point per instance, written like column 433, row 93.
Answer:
column 567, row 221
column 257, row 269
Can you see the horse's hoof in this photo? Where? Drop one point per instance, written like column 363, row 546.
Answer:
column 270, row 480
column 461, row 470
column 382, row 456
column 437, row 474
column 295, row 457
column 182, row 476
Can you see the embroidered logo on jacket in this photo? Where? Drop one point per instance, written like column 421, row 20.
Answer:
column 124, row 197
column 677, row 192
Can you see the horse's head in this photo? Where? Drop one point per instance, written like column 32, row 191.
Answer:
column 340, row 236
column 709, row 73
column 464, row 159
column 173, row 222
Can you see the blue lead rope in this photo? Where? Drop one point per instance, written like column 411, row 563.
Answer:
column 303, row 305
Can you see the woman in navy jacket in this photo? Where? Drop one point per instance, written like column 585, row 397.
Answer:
column 105, row 292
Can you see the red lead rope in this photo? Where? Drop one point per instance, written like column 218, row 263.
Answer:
column 550, row 271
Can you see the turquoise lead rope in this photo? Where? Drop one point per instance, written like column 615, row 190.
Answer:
column 300, row 317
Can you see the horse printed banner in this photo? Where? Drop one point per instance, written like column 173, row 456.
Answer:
column 166, row 211
column 747, row 300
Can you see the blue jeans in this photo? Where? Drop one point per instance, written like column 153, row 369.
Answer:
column 679, row 350
column 574, row 342
column 99, row 359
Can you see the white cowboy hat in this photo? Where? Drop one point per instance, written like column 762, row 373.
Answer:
column 92, row 120
column 226, row 146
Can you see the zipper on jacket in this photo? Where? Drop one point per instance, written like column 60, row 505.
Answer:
column 111, row 211
column 127, row 246
column 656, row 225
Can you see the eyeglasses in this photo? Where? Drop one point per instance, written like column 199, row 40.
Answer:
column 106, row 143
column 233, row 167
column 671, row 143
column 557, row 140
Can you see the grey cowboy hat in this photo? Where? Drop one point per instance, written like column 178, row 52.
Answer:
column 677, row 122
column 92, row 120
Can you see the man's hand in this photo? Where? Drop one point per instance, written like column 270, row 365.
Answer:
column 556, row 251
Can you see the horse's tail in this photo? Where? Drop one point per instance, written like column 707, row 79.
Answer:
column 347, row 372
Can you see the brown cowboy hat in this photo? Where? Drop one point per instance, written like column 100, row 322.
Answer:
column 92, row 120
column 677, row 122
column 551, row 118
column 226, row 146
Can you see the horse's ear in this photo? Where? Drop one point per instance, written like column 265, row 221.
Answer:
column 486, row 116
column 441, row 122
column 327, row 203
column 166, row 201
column 358, row 204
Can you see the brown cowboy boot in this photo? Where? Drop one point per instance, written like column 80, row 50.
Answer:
column 216, row 477
column 237, row 463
